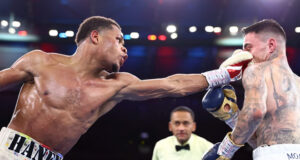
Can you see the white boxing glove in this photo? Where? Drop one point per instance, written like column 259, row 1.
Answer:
column 230, row 70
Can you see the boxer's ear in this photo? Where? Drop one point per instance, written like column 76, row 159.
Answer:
column 95, row 36
column 272, row 45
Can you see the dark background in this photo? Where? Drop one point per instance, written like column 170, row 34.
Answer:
column 131, row 129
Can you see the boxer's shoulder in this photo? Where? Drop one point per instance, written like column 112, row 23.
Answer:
column 39, row 57
column 256, row 68
column 122, row 76
column 255, row 74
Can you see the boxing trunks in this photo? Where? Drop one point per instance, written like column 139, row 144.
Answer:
column 18, row 146
column 277, row 152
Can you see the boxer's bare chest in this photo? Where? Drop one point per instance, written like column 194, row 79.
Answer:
column 61, row 88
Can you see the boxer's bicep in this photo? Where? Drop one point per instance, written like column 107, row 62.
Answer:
column 254, row 107
column 11, row 76
column 18, row 72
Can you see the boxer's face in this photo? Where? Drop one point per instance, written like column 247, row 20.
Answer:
column 182, row 125
column 112, row 49
column 258, row 47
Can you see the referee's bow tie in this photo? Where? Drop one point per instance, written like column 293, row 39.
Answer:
column 178, row 147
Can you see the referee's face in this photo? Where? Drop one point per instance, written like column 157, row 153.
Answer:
column 182, row 126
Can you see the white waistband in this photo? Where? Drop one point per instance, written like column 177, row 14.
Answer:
column 277, row 152
column 19, row 143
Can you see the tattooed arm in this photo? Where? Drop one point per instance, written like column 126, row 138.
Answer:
column 254, row 108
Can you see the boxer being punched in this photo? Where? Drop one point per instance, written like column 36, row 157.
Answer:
column 272, row 104
column 62, row 96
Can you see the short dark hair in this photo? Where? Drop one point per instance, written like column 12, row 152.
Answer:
column 185, row 109
column 266, row 25
column 94, row 23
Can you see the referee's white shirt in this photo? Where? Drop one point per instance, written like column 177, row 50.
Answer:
column 165, row 149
